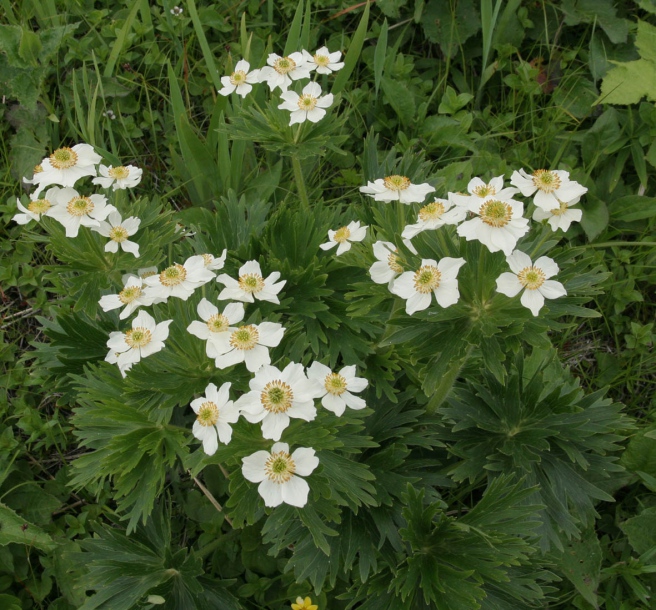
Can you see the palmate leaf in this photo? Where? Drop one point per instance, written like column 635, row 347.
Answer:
column 540, row 425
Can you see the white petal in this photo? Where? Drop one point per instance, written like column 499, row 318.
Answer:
column 334, row 403
column 508, row 284
column 253, row 466
column 548, row 265
column 271, row 492
column 552, row 289
column 533, row 300
column 518, row 260
column 295, row 492
column 274, row 424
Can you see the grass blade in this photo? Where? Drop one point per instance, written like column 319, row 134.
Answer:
column 204, row 45
column 379, row 56
column 120, row 39
column 353, row 53
column 294, row 36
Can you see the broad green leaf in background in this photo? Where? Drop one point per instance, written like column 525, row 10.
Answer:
column 14, row 529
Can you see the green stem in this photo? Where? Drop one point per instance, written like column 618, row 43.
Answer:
column 446, row 385
column 546, row 236
column 300, row 183
column 389, row 328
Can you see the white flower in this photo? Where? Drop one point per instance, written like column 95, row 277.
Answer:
column 498, row 225
column 118, row 231
column 251, row 285
column 180, row 280
column 344, row 236
column 66, row 166
column 531, row 277
column 276, row 473
column 72, row 210
column 552, row 186
column 241, row 80
column 561, row 217
column 37, row 170
column 387, row 267
column 434, row 215
column 437, row 278
column 176, row 11
column 336, row 388
column 397, row 188
column 215, row 324
column 323, row 61
column 281, row 71
column 306, row 107
column 134, row 295
column 122, row 177
column 248, row 344
column 276, row 396
column 479, row 192
column 214, row 412
column 36, row 208
column 145, row 338
column 214, row 263
column 109, row 113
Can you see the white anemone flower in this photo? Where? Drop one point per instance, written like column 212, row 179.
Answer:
column 561, row 217
column 214, row 263
column 552, row 186
column 434, row 215
column 180, row 280
column 249, row 344
column 281, row 71
column 276, row 396
column 241, row 80
column 323, row 61
column 343, row 237
column 435, row 278
column 214, row 414
column 37, row 170
column 479, row 192
column 145, row 338
column 279, row 474
column 532, row 278
column 121, row 177
column 251, row 285
column 118, row 231
column 397, row 188
column 387, row 267
column 72, row 210
column 215, row 325
column 134, row 294
column 67, row 165
column 309, row 106
column 36, row 208
column 498, row 224
column 337, row 388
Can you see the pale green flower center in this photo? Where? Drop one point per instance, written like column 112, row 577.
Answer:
column 119, row 173
column 118, row 234
column 238, row 78
column 79, row 206
column 496, row 213
column 307, row 102
column 218, row 323
column 335, row 384
column 284, row 65
column 251, row 282
column 279, row 467
column 277, row 396
column 138, row 337
column 321, row 60
column 38, row 206
column 432, row 211
column 244, row 338
column 129, row 294
column 173, row 275
column 396, row 183
column 546, row 181
column 531, row 277
column 427, row 279
column 208, row 414
column 341, row 235
column 63, row 158
column 485, row 190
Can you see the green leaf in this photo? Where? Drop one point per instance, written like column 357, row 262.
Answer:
column 379, row 55
column 640, row 453
column 400, row 98
column 450, row 24
column 15, row 529
column 353, row 54
column 595, row 217
column 580, row 562
column 641, row 530
column 293, row 43
column 30, row 47
column 633, row 207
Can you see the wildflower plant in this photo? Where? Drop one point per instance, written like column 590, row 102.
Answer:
column 339, row 392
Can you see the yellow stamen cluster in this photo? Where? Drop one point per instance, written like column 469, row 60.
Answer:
column 546, row 181
column 119, row 173
column 138, row 337
column 284, row 65
column 79, row 206
column 307, row 102
column 321, row 60
column 218, row 323
column 238, row 78
column 251, row 282
column 129, row 294
column 427, row 279
column 39, row 206
column 561, row 210
column 63, row 158
column 531, row 277
column 431, row 211
column 118, row 234
column 335, row 384
column 208, row 414
column 396, row 183
column 279, row 467
column 393, row 263
column 173, row 275
column 244, row 338
column 496, row 213
column 277, row 397
column 341, row 235
column 484, row 190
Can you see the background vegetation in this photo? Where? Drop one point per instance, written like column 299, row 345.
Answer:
column 480, row 88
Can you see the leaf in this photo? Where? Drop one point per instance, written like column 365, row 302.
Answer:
column 379, row 55
column 641, row 530
column 640, row 453
column 400, row 98
column 633, row 207
column 450, row 23
column 600, row 12
column 580, row 562
column 15, row 529
column 595, row 217
column 353, row 53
